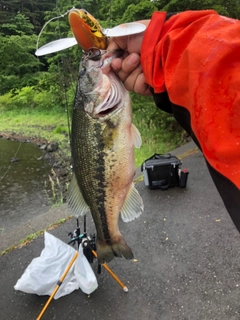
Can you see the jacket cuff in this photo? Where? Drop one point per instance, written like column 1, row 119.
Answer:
column 150, row 40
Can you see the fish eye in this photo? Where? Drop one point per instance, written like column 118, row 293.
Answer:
column 82, row 72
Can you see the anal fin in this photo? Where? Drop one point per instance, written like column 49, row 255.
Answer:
column 136, row 137
column 133, row 205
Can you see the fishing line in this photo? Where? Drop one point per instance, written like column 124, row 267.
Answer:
column 11, row 162
column 54, row 18
column 110, row 13
column 63, row 78
column 67, row 109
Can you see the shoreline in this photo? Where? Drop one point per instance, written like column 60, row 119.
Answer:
column 21, row 138
column 53, row 155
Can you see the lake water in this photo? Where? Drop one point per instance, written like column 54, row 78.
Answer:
column 22, row 183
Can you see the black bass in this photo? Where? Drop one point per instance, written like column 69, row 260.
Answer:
column 102, row 140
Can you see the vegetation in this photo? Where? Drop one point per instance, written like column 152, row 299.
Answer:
column 36, row 92
column 47, row 125
column 31, row 237
column 159, row 131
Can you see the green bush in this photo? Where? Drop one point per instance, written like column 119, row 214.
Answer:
column 61, row 130
column 18, row 99
column 31, row 97
column 23, row 98
column 6, row 101
column 159, row 130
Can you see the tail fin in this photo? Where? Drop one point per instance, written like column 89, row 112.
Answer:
column 108, row 251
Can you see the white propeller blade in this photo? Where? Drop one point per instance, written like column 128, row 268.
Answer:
column 125, row 29
column 65, row 43
column 55, row 46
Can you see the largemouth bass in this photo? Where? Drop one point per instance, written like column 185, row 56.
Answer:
column 102, row 140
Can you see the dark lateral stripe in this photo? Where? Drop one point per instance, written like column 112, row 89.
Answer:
column 101, row 196
column 101, row 182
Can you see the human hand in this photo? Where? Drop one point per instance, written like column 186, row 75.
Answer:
column 128, row 68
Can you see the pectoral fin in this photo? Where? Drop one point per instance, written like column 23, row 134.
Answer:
column 133, row 205
column 136, row 137
column 75, row 199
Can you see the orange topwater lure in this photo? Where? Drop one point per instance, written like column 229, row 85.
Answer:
column 86, row 30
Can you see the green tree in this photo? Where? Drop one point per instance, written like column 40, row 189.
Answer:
column 18, row 25
column 33, row 9
column 229, row 8
column 66, row 61
column 118, row 8
column 18, row 65
column 142, row 10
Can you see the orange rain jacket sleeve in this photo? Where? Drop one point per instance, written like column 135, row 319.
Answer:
column 192, row 63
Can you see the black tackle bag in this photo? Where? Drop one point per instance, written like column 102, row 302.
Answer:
column 161, row 171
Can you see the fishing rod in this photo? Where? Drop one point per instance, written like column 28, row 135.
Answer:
column 89, row 249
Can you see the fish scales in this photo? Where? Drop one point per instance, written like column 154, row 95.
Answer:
column 89, row 159
column 103, row 139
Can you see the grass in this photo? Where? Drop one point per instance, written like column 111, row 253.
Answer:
column 154, row 140
column 51, row 126
column 48, row 125
column 33, row 236
column 159, row 131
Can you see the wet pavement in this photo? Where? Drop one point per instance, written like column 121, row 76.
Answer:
column 187, row 252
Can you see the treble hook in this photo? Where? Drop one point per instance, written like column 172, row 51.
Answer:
column 93, row 54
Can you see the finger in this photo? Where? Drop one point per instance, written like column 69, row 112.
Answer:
column 117, row 43
column 116, row 64
column 136, row 83
column 129, row 65
column 141, row 87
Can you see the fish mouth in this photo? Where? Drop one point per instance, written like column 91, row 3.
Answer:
column 105, row 91
column 111, row 101
column 106, row 112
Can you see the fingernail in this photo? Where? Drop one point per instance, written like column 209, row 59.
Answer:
column 134, row 58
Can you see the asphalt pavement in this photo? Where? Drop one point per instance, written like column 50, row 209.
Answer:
column 187, row 263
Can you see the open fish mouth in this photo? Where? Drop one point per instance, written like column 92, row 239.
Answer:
column 110, row 102
column 102, row 89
